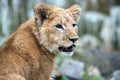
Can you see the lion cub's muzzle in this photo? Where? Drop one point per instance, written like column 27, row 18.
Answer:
column 70, row 48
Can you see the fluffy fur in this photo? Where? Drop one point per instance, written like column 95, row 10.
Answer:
column 29, row 52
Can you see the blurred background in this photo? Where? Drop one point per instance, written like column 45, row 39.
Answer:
column 98, row 53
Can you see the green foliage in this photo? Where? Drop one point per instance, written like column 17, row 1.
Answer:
column 64, row 78
column 87, row 77
column 94, row 78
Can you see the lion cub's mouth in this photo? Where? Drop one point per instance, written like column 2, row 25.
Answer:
column 66, row 49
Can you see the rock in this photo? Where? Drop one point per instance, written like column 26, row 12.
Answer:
column 114, row 61
column 115, row 75
column 72, row 68
column 89, row 40
column 105, row 62
column 115, row 22
column 93, row 71
column 111, row 29
column 115, row 17
column 106, row 34
column 91, row 54
column 118, row 36
column 94, row 22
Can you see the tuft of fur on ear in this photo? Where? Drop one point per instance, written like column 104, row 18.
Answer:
column 75, row 11
column 43, row 12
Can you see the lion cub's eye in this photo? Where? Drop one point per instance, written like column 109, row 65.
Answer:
column 59, row 26
column 74, row 25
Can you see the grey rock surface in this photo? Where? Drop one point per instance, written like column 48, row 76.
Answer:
column 72, row 68
column 115, row 75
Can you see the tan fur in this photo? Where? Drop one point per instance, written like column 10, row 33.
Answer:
column 29, row 52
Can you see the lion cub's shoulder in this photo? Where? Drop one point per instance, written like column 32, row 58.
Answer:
column 23, row 38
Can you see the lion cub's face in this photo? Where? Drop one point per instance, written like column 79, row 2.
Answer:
column 57, row 27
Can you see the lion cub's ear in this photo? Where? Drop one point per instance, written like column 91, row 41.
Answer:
column 43, row 12
column 75, row 11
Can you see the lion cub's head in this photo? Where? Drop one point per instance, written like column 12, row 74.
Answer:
column 56, row 28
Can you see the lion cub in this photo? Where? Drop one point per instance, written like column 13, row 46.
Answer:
column 28, row 53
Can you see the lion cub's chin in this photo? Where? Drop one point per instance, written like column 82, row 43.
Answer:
column 67, row 53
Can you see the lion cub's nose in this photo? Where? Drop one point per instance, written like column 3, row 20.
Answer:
column 73, row 39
